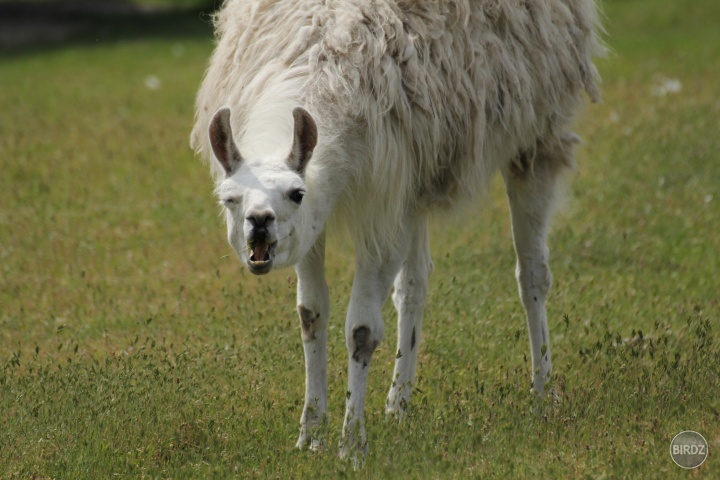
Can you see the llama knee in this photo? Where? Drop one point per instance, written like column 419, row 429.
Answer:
column 410, row 292
column 411, row 285
column 362, row 343
column 310, row 322
column 534, row 280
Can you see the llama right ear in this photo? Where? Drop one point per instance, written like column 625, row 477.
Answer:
column 221, row 139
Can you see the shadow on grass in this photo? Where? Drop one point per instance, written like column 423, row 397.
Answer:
column 28, row 27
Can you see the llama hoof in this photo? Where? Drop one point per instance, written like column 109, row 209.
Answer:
column 310, row 444
column 313, row 443
column 396, row 407
column 354, row 451
column 395, row 413
column 546, row 402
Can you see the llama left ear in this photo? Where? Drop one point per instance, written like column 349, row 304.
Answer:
column 304, row 140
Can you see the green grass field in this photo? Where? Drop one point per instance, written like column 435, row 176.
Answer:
column 133, row 344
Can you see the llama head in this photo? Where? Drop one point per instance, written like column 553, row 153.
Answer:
column 263, row 198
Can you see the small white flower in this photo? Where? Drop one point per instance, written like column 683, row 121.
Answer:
column 666, row 86
column 152, row 82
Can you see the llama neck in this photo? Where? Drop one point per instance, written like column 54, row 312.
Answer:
column 268, row 131
column 324, row 187
column 267, row 104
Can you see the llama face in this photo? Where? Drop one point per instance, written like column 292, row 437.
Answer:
column 263, row 198
column 263, row 210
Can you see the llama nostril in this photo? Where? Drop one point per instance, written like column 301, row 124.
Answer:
column 260, row 219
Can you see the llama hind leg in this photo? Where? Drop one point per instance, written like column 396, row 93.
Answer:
column 534, row 183
column 313, row 308
column 409, row 300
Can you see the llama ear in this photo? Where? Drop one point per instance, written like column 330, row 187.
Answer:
column 221, row 139
column 304, row 140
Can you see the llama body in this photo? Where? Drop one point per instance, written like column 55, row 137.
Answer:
column 372, row 114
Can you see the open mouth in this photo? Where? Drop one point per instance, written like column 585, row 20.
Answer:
column 261, row 257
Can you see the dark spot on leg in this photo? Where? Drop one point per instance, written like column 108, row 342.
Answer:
column 535, row 298
column 412, row 340
column 364, row 347
column 308, row 318
column 360, row 335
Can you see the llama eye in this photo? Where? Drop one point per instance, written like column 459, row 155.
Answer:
column 229, row 202
column 297, row 195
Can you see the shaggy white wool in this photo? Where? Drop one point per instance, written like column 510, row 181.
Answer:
column 418, row 103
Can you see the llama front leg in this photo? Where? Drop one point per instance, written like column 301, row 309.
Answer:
column 364, row 329
column 313, row 307
column 409, row 300
column 533, row 185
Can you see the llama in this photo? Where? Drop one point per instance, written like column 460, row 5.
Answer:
column 370, row 115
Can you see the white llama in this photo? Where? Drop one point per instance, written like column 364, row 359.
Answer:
column 372, row 114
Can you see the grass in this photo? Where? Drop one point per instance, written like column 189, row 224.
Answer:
column 132, row 344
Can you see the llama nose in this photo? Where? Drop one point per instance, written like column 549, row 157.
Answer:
column 260, row 219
